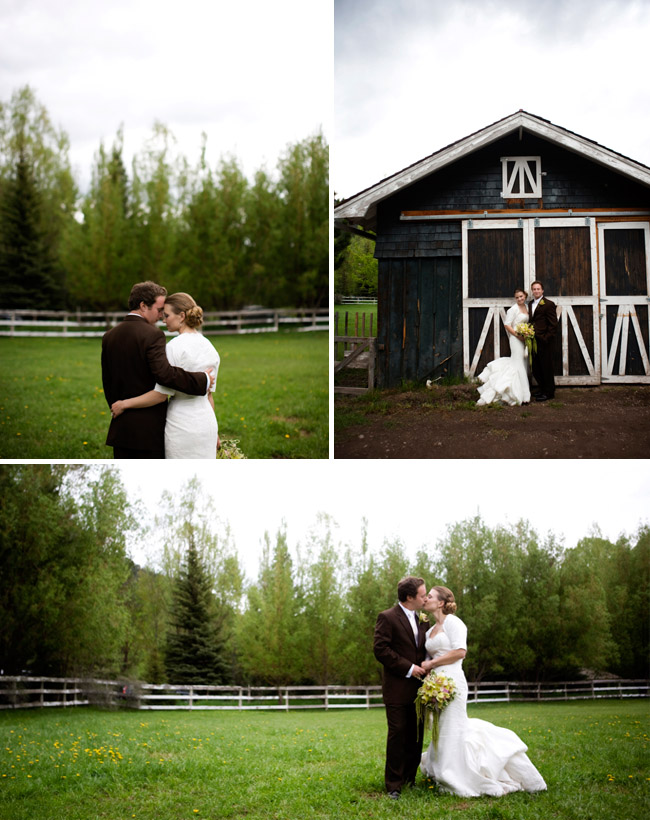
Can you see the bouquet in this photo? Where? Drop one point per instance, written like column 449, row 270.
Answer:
column 230, row 449
column 435, row 694
column 526, row 330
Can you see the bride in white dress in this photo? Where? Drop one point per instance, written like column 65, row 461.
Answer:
column 473, row 757
column 191, row 429
column 506, row 379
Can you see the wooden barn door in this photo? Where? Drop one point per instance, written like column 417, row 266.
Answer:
column 499, row 255
column 494, row 256
column 624, row 252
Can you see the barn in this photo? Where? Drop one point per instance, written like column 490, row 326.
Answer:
column 520, row 200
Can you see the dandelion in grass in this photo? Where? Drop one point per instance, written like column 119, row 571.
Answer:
column 435, row 694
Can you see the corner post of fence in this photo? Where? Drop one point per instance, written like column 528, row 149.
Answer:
column 372, row 353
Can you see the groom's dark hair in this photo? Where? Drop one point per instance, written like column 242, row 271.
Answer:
column 146, row 292
column 408, row 587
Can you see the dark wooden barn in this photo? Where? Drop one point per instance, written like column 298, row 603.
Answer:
column 520, row 200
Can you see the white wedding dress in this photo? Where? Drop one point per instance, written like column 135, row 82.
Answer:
column 506, row 379
column 191, row 427
column 473, row 757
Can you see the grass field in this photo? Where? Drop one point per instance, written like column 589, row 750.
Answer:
column 355, row 318
column 83, row 764
column 272, row 395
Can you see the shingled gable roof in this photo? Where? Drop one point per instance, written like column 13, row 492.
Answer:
column 361, row 208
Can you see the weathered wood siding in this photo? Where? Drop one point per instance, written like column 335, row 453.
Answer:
column 416, row 256
column 418, row 321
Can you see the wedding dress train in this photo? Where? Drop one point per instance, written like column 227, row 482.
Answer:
column 473, row 757
column 506, row 379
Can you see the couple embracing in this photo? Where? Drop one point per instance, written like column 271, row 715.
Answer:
column 506, row 379
column 140, row 373
column 472, row 757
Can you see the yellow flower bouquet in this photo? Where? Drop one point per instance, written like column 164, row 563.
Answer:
column 435, row 694
column 526, row 330
column 230, row 449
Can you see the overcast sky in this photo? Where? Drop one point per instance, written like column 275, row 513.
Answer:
column 412, row 501
column 253, row 75
column 413, row 76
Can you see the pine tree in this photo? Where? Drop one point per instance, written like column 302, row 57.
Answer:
column 27, row 269
column 195, row 649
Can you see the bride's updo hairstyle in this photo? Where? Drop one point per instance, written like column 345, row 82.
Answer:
column 183, row 303
column 447, row 596
column 521, row 290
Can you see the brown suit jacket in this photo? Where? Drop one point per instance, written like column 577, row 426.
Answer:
column 395, row 649
column 544, row 319
column 133, row 360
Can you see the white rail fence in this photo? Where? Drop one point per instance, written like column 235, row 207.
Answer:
column 358, row 300
column 69, row 324
column 37, row 692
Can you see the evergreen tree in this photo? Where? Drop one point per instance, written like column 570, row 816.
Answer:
column 27, row 269
column 195, row 649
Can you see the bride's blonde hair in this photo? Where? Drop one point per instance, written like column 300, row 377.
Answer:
column 183, row 303
column 447, row 596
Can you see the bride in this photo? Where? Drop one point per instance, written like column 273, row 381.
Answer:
column 473, row 757
column 506, row 379
column 191, row 429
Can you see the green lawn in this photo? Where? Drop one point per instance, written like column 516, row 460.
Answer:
column 356, row 314
column 83, row 764
column 272, row 395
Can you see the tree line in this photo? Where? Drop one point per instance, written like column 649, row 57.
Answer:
column 355, row 266
column 209, row 231
column 73, row 603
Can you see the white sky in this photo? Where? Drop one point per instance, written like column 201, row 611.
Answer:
column 255, row 76
column 413, row 76
column 409, row 500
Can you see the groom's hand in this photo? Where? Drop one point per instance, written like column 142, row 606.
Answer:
column 210, row 373
column 418, row 672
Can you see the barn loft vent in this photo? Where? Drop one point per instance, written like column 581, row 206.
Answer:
column 522, row 177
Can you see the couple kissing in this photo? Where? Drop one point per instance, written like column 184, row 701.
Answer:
column 471, row 757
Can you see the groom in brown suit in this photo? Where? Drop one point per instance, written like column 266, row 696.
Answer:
column 543, row 316
column 399, row 647
column 133, row 360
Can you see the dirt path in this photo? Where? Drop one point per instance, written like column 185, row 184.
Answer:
column 587, row 422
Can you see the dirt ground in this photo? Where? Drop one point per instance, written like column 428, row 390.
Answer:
column 580, row 422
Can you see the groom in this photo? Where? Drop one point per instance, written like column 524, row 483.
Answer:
column 543, row 316
column 399, row 647
column 133, row 360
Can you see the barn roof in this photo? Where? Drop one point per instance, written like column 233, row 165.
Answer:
column 361, row 209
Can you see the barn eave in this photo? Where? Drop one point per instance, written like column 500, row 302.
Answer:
column 361, row 209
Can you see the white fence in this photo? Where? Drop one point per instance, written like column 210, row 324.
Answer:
column 36, row 692
column 67, row 324
column 358, row 300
